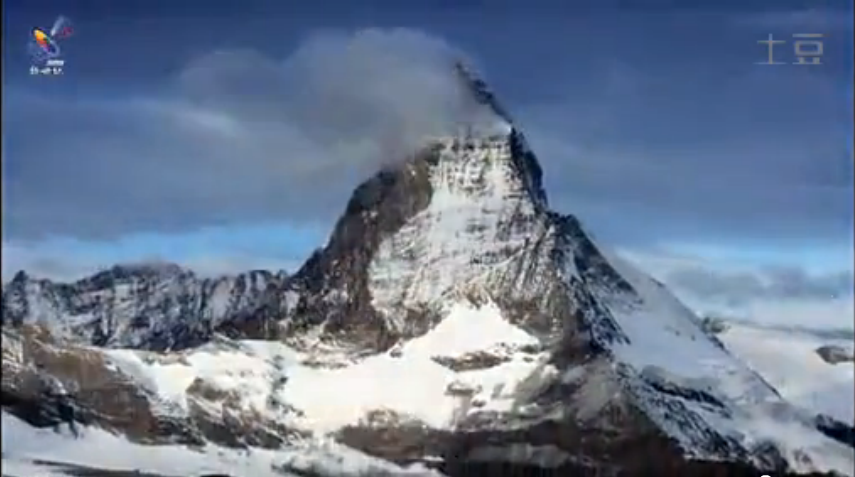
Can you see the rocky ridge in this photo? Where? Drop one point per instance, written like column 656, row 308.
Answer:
column 832, row 354
column 158, row 307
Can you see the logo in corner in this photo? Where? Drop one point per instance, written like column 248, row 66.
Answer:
column 44, row 49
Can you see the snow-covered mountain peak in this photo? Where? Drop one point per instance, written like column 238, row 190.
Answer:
column 467, row 221
column 480, row 216
column 468, row 210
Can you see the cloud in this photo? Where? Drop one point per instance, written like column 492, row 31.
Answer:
column 60, row 267
column 789, row 296
column 684, row 144
column 213, row 266
column 771, row 283
column 17, row 257
column 832, row 315
column 238, row 137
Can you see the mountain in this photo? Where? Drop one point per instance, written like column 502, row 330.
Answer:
column 155, row 306
column 210, row 410
column 452, row 318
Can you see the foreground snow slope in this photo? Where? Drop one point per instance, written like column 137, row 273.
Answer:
column 789, row 361
column 24, row 446
column 408, row 380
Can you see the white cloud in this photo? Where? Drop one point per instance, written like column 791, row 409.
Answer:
column 239, row 136
column 243, row 137
column 764, row 294
column 70, row 267
column 212, row 266
column 817, row 314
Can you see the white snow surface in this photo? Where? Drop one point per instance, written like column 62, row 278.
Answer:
column 408, row 382
column 664, row 336
column 23, row 445
column 788, row 360
column 411, row 384
column 24, row 467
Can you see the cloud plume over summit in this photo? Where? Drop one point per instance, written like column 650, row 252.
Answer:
column 239, row 136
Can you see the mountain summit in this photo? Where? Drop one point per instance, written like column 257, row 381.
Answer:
column 467, row 214
column 453, row 315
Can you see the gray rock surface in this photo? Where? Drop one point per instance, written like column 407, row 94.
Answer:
column 834, row 354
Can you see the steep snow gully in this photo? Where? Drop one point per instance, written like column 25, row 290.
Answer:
column 453, row 324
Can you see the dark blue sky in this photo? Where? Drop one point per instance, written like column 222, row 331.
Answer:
column 202, row 131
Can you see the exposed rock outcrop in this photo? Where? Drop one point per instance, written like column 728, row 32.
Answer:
column 104, row 396
column 832, row 354
column 151, row 306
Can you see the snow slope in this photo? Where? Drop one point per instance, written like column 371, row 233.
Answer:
column 410, row 383
column 665, row 345
column 788, row 360
column 664, row 338
column 413, row 384
column 24, row 445
column 407, row 381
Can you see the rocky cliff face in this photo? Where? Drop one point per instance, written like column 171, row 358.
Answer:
column 468, row 214
column 836, row 354
column 582, row 363
column 156, row 307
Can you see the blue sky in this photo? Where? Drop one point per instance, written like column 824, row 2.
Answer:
column 228, row 135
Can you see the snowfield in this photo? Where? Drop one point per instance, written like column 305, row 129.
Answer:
column 24, row 447
column 407, row 381
column 788, row 360
column 413, row 384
